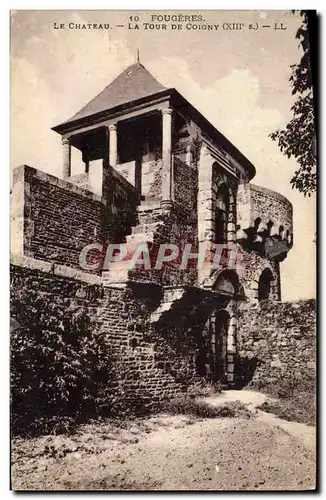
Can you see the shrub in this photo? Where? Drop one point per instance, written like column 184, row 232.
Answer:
column 290, row 384
column 301, row 408
column 201, row 409
column 296, row 396
column 203, row 388
column 60, row 371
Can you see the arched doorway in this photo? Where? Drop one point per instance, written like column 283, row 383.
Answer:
column 217, row 345
column 227, row 288
column 264, row 285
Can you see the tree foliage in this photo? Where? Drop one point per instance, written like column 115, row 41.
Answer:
column 298, row 139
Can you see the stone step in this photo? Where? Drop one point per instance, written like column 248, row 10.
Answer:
column 148, row 218
column 140, row 238
column 117, row 274
column 148, row 206
column 148, row 200
column 143, row 228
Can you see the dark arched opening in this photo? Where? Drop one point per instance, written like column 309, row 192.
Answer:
column 264, row 285
column 222, row 212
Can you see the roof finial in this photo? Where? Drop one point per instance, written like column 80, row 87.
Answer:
column 138, row 55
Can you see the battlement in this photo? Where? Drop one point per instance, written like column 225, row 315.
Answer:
column 264, row 219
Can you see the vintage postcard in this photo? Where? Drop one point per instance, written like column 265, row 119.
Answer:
column 163, row 242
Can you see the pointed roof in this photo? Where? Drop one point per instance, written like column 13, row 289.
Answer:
column 132, row 84
column 137, row 84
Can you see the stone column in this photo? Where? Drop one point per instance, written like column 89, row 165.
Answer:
column 85, row 158
column 167, row 157
column 206, row 202
column 231, row 347
column 189, row 155
column 66, row 157
column 113, row 145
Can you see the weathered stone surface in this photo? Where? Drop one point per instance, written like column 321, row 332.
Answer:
column 57, row 219
column 154, row 362
column 288, row 345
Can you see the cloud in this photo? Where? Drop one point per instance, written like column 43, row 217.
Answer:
column 57, row 73
column 230, row 103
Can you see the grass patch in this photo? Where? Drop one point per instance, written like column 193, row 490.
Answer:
column 294, row 397
column 200, row 409
column 299, row 408
column 202, row 388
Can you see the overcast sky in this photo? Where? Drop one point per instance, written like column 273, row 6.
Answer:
column 237, row 78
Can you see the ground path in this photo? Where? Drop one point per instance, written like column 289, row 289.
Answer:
column 175, row 453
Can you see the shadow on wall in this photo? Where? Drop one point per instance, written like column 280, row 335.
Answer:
column 244, row 371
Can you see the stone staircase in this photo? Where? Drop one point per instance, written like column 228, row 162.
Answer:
column 148, row 216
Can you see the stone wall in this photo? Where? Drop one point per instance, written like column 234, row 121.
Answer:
column 255, row 202
column 155, row 359
column 250, row 268
column 176, row 225
column 142, row 374
column 156, row 334
column 168, row 226
column 148, row 176
column 151, row 179
column 271, row 206
column 185, row 187
column 55, row 220
column 156, row 362
column 277, row 340
column 80, row 180
column 127, row 170
column 121, row 200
